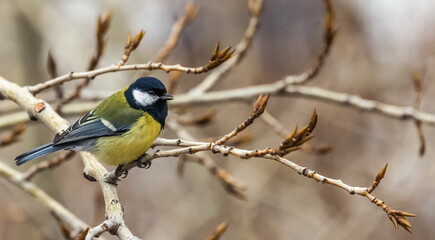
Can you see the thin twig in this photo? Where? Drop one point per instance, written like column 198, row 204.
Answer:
column 296, row 138
column 217, row 58
column 45, row 165
column 172, row 81
column 111, row 227
column 259, row 107
column 130, row 46
column 195, row 147
column 279, row 88
column 418, row 87
column 52, row 71
column 328, row 38
column 57, row 209
column 103, row 24
column 378, row 179
column 190, row 13
column 255, row 9
column 276, row 126
column 232, row 185
column 12, row 135
column 281, row 131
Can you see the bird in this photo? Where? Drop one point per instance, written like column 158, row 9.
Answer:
column 119, row 130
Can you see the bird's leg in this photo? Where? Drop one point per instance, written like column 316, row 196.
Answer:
column 120, row 173
column 114, row 179
column 140, row 164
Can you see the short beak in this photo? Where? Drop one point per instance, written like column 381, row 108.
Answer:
column 167, row 97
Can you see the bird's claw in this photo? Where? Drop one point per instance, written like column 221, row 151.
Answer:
column 145, row 165
column 140, row 164
column 119, row 173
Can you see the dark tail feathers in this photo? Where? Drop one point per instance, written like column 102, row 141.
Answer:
column 37, row 152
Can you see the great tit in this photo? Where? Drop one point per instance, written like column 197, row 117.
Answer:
column 119, row 130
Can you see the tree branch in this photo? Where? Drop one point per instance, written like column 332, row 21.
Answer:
column 279, row 88
column 290, row 144
column 103, row 24
column 418, row 87
column 190, row 13
column 38, row 109
column 48, row 164
column 64, row 215
column 232, row 185
column 255, row 9
column 217, row 58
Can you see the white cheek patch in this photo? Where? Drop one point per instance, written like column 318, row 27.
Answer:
column 144, row 99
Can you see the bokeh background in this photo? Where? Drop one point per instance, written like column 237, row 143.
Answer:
column 379, row 44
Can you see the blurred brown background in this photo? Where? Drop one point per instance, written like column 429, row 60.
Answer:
column 378, row 46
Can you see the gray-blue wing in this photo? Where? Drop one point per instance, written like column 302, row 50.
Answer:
column 88, row 127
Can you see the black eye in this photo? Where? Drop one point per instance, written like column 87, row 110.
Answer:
column 151, row 92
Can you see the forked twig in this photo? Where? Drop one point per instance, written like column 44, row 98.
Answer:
column 217, row 58
column 232, row 185
column 255, row 9
column 259, row 107
column 190, row 13
column 103, row 24
column 328, row 38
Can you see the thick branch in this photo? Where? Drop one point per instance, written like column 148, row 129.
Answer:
column 39, row 109
column 64, row 215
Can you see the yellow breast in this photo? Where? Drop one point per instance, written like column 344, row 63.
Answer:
column 129, row 146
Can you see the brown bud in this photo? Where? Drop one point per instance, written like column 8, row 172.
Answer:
column 393, row 220
column 381, row 173
column 215, row 53
column 313, row 122
column 224, row 52
column 260, row 104
column 403, row 222
column 51, row 65
column 128, row 41
column 137, row 39
column 405, row 214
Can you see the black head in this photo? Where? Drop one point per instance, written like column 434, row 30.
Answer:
column 149, row 94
